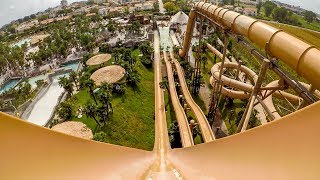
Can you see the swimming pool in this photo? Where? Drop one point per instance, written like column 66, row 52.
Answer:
column 74, row 66
column 33, row 80
column 8, row 85
column 20, row 43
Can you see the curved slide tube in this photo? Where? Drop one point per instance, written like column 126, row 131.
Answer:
column 300, row 56
column 185, row 133
column 246, row 89
column 203, row 123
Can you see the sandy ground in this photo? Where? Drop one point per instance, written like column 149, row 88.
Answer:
column 109, row 74
column 73, row 128
column 98, row 59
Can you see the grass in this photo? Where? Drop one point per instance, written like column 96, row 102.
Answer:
column 304, row 24
column 132, row 122
column 303, row 34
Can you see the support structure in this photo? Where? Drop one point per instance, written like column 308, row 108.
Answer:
column 218, row 85
column 247, row 113
column 197, row 68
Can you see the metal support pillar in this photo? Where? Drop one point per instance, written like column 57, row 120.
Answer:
column 218, row 84
column 247, row 113
column 197, row 70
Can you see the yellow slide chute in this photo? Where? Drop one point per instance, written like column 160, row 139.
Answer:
column 284, row 149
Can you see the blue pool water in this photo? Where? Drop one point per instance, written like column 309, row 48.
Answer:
column 33, row 80
column 74, row 66
column 20, row 43
column 8, row 85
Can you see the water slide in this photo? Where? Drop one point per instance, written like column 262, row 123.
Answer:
column 185, row 132
column 203, row 123
column 297, row 54
column 244, row 89
column 284, row 149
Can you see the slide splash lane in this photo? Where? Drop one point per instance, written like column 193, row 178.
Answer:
column 185, row 133
column 161, row 168
column 205, row 128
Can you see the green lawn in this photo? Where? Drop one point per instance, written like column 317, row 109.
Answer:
column 305, row 35
column 132, row 123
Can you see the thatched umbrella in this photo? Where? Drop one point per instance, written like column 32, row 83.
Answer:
column 98, row 59
column 109, row 74
column 74, row 128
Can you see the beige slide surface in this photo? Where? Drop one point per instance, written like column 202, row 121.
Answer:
column 284, row 149
column 203, row 123
column 185, row 133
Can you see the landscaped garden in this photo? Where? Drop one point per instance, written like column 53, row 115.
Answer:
column 121, row 113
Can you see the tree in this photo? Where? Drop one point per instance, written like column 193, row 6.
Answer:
column 156, row 7
column 90, row 110
column 147, row 52
column 74, row 77
column 259, row 5
column 309, row 16
column 65, row 110
column 105, row 98
column 134, row 27
column 133, row 77
column 269, row 7
column 204, row 60
column 171, row 7
column 100, row 136
column 146, row 49
column 66, row 84
column 280, row 14
column 164, row 84
column 90, row 84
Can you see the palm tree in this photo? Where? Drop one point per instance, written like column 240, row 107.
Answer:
column 74, row 77
column 90, row 110
column 133, row 77
column 90, row 84
column 204, row 60
column 66, row 84
column 164, row 84
column 105, row 98
column 106, row 87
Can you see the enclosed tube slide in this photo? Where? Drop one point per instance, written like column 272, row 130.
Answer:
column 185, row 133
column 300, row 56
column 203, row 123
